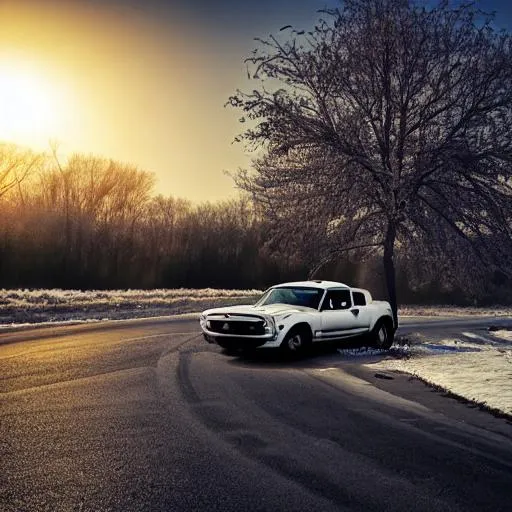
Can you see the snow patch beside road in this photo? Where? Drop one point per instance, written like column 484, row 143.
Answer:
column 475, row 367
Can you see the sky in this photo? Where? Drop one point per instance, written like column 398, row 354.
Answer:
column 142, row 81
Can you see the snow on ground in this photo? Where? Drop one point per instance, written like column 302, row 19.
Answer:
column 474, row 366
column 446, row 310
column 37, row 306
column 503, row 334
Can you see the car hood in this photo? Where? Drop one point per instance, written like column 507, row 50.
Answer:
column 274, row 310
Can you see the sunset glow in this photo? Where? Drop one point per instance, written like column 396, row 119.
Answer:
column 140, row 82
column 29, row 110
column 143, row 83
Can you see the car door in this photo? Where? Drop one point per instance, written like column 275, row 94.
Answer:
column 361, row 309
column 339, row 318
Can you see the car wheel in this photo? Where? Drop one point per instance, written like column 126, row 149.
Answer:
column 296, row 341
column 382, row 336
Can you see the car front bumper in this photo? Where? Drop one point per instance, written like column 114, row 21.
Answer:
column 266, row 341
column 270, row 338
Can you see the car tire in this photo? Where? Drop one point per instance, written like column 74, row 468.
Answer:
column 296, row 342
column 382, row 335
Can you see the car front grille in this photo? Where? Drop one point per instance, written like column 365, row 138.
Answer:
column 238, row 327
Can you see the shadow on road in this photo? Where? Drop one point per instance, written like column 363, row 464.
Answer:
column 272, row 357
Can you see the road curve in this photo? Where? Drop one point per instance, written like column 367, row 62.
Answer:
column 144, row 415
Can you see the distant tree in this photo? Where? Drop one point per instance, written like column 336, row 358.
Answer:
column 16, row 164
column 94, row 205
column 387, row 126
column 90, row 222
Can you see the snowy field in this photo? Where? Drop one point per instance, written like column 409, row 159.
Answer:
column 38, row 306
column 443, row 310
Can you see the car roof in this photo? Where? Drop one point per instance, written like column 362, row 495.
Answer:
column 325, row 285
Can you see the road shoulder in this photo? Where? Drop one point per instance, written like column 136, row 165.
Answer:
column 415, row 390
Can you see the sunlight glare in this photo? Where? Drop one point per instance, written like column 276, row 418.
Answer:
column 28, row 105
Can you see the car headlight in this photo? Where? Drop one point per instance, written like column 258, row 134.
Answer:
column 269, row 326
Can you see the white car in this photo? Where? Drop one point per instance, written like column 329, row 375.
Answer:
column 294, row 315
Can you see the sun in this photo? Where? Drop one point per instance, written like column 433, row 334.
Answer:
column 29, row 105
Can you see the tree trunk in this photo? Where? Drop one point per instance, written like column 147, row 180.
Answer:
column 389, row 269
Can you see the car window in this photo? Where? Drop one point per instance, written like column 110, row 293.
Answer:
column 359, row 299
column 337, row 299
column 296, row 296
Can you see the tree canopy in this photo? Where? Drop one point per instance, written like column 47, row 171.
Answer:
column 386, row 126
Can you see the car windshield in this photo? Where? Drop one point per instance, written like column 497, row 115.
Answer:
column 295, row 296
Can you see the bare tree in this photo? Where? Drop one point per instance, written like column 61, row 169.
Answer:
column 95, row 204
column 16, row 164
column 388, row 125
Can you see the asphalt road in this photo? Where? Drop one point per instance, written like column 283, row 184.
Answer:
column 144, row 415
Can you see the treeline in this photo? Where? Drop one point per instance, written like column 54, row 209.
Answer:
column 95, row 223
